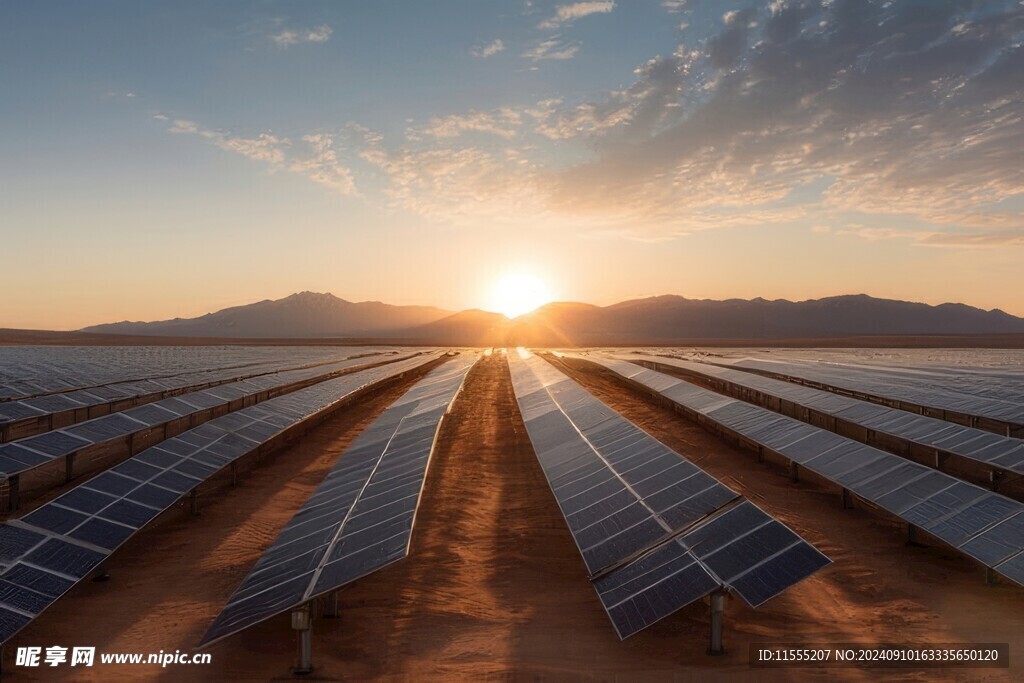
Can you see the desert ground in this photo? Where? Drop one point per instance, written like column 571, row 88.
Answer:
column 494, row 587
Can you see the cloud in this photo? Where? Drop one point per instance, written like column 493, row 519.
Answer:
column 552, row 48
column 287, row 37
column 566, row 14
column 939, row 238
column 674, row 5
column 501, row 122
column 458, row 186
column 976, row 239
column 794, row 113
column 488, row 50
column 628, row 113
column 914, row 111
column 321, row 165
column 315, row 159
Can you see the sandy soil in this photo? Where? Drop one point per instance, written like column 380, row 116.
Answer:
column 494, row 586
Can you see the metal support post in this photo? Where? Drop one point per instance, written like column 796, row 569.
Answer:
column 990, row 577
column 302, row 624
column 717, row 617
column 331, row 606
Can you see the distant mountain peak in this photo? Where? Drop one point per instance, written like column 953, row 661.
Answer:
column 300, row 315
column 661, row 319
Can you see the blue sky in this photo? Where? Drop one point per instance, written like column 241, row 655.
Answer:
column 166, row 159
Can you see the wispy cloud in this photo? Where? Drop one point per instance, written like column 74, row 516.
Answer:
column 320, row 164
column 489, row 50
column 895, row 112
column 975, row 239
column 502, row 122
column 565, row 14
column 552, row 48
column 290, row 36
column 459, row 185
column 793, row 113
column 315, row 158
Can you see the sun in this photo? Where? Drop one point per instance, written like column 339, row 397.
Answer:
column 518, row 293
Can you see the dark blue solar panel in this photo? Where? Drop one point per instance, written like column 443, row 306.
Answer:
column 103, row 533
column 65, row 558
column 981, row 524
column 115, row 426
column 656, row 531
column 129, row 513
column 54, row 443
column 85, row 499
column 55, row 518
column 154, row 496
column 360, row 518
column 11, row 622
column 106, row 510
column 37, row 580
column 15, row 542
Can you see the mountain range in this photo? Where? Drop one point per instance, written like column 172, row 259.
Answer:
column 656, row 320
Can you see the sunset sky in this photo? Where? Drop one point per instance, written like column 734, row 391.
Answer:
column 170, row 159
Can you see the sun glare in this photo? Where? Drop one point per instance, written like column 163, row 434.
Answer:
column 518, row 293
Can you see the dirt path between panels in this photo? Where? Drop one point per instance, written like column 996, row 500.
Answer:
column 494, row 587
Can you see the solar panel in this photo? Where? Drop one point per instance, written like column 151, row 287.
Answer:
column 984, row 395
column 59, row 444
column 981, row 524
column 655, row 531
column 969, row 443
column 62, row 541
column 360, row 518
column 36, row 404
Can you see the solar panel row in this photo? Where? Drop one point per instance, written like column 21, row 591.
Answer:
column 46, row 552
column 655, row 531
column 360, row 519
column 973, row 444
column 26, row 417
column 18, row 457
column 27, row 372
column 997, row 374
column 981, row 524
column 63, row 383
column 1009, row 409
